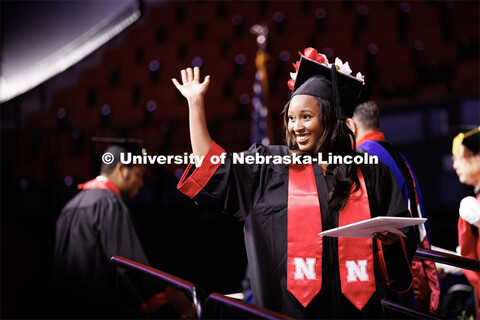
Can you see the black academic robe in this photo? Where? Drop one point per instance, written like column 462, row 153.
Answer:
column 257, row 194
column 94, row 226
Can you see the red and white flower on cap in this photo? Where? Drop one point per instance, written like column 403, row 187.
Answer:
column 314, row 55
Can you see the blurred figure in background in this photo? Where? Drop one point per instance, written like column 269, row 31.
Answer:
column 466, row 162
column 365, row 124
column 94, row 226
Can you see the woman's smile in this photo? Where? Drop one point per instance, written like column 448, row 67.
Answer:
column 302, row 138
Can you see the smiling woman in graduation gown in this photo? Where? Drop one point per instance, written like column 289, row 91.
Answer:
column 284, row 207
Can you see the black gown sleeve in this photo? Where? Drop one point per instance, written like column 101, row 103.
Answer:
column 233, row 186
column 397, row 257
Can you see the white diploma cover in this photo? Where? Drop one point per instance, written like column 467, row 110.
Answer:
column 365, row 228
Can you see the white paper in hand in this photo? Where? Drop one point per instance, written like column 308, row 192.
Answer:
column 366, row 228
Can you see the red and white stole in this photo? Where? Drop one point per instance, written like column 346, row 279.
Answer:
column 304, row 247
column 100, row 182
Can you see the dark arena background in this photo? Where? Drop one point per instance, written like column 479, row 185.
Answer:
column 421, row 65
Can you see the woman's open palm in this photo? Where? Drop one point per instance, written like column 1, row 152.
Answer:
column 191, row 86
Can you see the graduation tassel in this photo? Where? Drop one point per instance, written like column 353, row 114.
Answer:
column 336, row 95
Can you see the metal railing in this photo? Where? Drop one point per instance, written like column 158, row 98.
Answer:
column 208, row 308
column 405, row 311
column 188, row 288
column 211, row 305
column 435, row 256
column 448, row 258
column 238, row 307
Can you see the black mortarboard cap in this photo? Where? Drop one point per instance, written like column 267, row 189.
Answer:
column 122, row 145
column 469, row 136
column 320, row 80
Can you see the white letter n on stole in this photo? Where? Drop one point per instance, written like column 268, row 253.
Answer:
column 306, row 269
column 357, row 270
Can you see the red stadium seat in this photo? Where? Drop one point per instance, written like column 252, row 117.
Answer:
column 43, row 120
column 125, row 55
column 468, row 76
column 465, row 19
column 424, row 22
column 32, row 171
column 78, row 168
column 94, row 77
column 141, row 36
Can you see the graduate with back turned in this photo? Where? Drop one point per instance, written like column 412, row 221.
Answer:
column 93, row 227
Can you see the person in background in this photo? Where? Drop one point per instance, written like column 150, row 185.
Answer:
column 365, row 124
column 94, row 226
column 466, row 163
column 284, row 206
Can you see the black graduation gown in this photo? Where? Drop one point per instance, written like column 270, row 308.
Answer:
column 94, row 226
column 257, row 194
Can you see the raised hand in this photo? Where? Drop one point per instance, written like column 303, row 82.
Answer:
column 191, row 87
column 194, row 90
